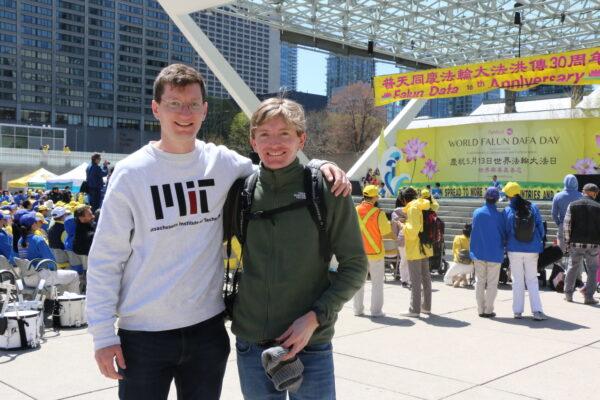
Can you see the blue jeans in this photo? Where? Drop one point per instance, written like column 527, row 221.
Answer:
column 318, row 382
column 195, row 356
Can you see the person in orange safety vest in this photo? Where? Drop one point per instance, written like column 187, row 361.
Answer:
column 374, row 226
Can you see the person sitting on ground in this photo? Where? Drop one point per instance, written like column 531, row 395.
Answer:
column 398, row 221
column 525, row 232
column 436, row 192
column 32, row 247
column 462, row 263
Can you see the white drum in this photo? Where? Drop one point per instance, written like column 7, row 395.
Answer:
column 72, row 310
column 30, row 305
column 32, row 326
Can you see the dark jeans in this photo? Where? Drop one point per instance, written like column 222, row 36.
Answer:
column 194, row 356
column 94, row 198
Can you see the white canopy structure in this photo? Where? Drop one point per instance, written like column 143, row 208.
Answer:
column 72, row 178
column 415, row 33
column 35, row 180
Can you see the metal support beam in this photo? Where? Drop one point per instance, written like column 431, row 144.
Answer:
column 401, row 121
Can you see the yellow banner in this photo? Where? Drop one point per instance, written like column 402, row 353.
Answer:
column 464, row 158
column 579, row 67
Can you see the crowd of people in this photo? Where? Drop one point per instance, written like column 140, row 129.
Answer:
column 48, row 225
column 56, row 225
column 514, row 237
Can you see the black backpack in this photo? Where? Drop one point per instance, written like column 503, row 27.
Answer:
column 237, row 214
column 524, row 225
column 433, row 230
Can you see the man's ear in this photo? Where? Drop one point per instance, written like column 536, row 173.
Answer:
column 154, row 106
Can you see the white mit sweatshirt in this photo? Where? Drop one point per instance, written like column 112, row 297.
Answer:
column 156, row 262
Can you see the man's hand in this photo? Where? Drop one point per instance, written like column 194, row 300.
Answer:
column 296, row 337
column 105, row 359
column 341, row 184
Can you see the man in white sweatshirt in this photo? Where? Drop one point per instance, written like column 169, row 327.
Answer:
column 155, row 267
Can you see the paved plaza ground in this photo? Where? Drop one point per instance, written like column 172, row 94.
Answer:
column 452, row 354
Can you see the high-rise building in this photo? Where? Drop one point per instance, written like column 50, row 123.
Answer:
column 289, row 66
column 89, row 65
column 252, row 49
column 345, row 70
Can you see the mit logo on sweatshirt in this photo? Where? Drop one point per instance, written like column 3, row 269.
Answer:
column 196, row 197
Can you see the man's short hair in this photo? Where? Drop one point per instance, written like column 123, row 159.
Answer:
column 177, row 75
column 590, row 187
column 291, row 112
column 95, row 156
column 80, row 210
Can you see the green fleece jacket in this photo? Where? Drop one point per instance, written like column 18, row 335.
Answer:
column 284, row 275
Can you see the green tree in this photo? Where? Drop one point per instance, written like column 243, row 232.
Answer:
column 239, row 134
column 215, row 127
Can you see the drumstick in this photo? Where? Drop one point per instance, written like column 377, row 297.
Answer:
column 19, row 291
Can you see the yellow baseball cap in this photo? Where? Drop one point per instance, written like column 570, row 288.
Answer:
column 370, row 191
column 511, row 189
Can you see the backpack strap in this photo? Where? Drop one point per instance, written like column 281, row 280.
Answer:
column 314, row 189
column 246, row 205
column 235, row 217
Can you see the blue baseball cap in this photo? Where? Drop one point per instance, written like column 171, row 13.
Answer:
column 19, row 214
column 492, row 193
column 28, row 219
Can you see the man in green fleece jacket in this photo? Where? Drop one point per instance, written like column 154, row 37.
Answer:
column 287, row 295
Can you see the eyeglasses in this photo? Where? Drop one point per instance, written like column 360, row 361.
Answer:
column 178, row 106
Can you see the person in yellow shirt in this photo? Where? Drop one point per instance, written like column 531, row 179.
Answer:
column 462, row 263
column 417, row 253
column 374, row 226
column 7, row 216
column 37, row 227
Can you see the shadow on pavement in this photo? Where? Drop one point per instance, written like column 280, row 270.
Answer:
column 439, row 320
column 551, row 323
column 391, row 321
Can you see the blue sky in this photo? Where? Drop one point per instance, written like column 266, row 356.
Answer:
column 312, row 71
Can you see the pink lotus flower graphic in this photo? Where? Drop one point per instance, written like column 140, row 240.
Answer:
column 585, row 166
column 430, row 168
column 413, row 149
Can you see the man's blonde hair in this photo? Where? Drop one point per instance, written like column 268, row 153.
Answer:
column 291, row 112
